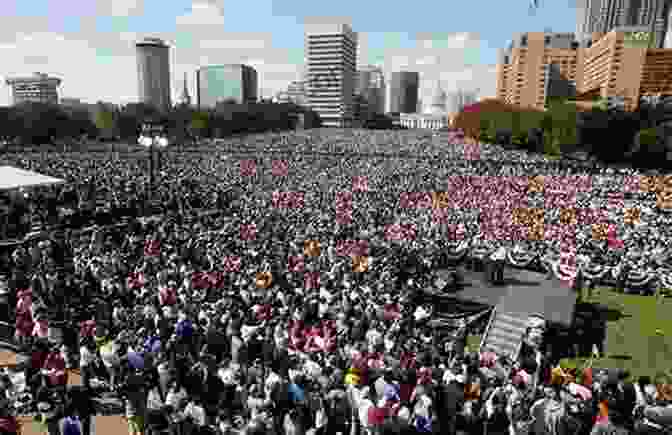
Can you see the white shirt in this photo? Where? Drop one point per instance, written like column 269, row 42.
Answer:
column 374, row 337
column 364, row 405
column 173, row 398
column 500, row 254
column 86, row 357
column 196, row 412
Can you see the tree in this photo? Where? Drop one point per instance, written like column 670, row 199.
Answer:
column 105, row 121
column 199, row 123
column 8, row 123
column 40, row 122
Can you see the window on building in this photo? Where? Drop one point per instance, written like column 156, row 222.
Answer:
column 547, row 40
column 523, row 41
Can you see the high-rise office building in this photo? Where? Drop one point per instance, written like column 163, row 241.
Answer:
column 602, row 16
column 153, row 57
column 38, row 88
column 402, row 92
column 219, row 83
column 370, row 91
column 331, row 58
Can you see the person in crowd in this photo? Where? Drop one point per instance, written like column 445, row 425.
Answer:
column 80, row 402
column 134, row 392
column 321, row 341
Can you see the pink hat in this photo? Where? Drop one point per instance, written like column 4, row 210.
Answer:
column 521, row 378
column 488, row 359
column 580, row 391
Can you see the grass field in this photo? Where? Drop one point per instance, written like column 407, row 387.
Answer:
column 639, row 340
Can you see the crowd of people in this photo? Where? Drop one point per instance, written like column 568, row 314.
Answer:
column 291, row 307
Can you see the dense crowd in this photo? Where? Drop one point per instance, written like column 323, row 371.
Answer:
column 292, row 308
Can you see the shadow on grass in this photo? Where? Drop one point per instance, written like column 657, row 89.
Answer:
column 591, row 312
column 621, row 357
column 589, row 328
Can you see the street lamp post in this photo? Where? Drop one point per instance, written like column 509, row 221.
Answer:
column 152, row 137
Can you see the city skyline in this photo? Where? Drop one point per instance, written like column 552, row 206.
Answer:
column 89, row 43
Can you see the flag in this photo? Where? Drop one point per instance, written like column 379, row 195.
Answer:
column 152, row 248
column 231, row 263
column 280, row 168
column 360, row 184
column 296, row 263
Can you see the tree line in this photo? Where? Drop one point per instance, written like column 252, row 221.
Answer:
column 602, row 129
column 43, row 123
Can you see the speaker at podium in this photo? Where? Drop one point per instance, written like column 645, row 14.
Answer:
column 494, row 267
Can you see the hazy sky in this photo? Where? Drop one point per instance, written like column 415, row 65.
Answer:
column 89, row 43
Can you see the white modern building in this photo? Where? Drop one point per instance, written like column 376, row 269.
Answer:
column 153, row 57
column 38, row 88
column 331, row 59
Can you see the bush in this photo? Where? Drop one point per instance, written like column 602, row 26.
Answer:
column 535, row 140
column 487, row 116
column 503, row 136
column 519, row 139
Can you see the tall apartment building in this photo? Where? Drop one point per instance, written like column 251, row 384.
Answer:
column 218, row 83
column 602, row 16
column 38, row 88
column 402, row 92
column 617, row 64
column 331, row 59
column 153, row 57
column 537, row 66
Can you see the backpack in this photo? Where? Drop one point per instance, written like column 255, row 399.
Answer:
column 72, row 426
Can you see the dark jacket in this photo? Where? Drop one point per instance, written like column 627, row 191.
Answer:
column 452, row 399
column 80, row 399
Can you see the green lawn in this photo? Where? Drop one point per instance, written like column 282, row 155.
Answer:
column 640, row 341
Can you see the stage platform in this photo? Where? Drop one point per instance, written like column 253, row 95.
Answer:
column 522, row 292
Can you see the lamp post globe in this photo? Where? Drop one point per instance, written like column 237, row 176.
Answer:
column 145, row 141
column 161, row 141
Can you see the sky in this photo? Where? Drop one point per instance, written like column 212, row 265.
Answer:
column 89, row 44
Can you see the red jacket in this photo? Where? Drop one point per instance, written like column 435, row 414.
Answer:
column 55, row 361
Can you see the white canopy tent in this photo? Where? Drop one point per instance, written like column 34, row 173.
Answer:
column 15, row 178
